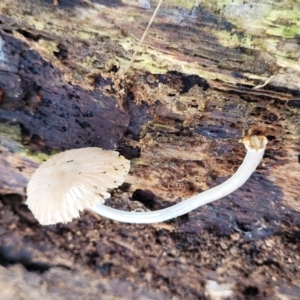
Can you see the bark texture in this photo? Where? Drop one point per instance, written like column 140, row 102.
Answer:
column 207, row 75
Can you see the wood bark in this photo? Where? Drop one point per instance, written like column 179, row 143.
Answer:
column 207, row 75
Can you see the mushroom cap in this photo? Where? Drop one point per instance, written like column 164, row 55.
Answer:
column 72, row 181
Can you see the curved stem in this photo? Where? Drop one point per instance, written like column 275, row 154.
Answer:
column 255, row 150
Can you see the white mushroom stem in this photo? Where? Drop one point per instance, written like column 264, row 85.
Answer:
column 255, row 146
column 142, row 39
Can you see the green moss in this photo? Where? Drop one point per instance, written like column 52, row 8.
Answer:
column 138, row 162
column 37, row 157
column 285, row 32
column 50, row 46
column 162, row 126
column 284, row 23
column 11, row 140
column 12, row 132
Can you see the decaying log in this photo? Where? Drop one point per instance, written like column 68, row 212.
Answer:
column 207, row 75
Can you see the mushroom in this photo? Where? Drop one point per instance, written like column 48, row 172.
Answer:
column 137, row 48
column 255, row 146
column 72, row 181
column 64, row 192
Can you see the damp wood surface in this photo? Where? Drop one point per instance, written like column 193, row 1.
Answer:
column 207, row 75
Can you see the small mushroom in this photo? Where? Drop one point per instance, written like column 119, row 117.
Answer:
column 137, row 48
column 255, row 146
column 77, row 179
column 72, row 181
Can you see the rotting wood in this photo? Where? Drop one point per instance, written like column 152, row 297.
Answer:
column 179, row 115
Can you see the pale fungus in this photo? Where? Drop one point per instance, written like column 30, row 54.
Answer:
column 142, row 39
column 79, row 179
column 255, row 146
column 72, row 181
